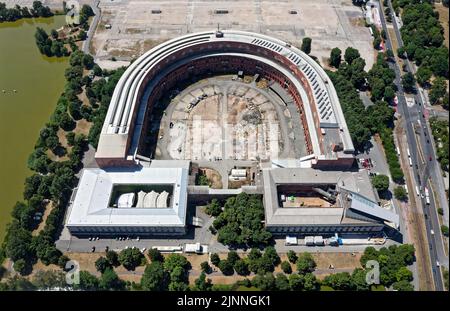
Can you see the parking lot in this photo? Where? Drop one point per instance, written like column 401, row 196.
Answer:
column 128, row 28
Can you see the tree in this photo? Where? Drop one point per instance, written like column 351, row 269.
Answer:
column 155, row 255
column 154, row 278
column 62, row 261
column 18, row 242
column 339, row 281
column 97, row 70
column 305, row 263
column 215, row 259
column 50, row 279
column 45, row 249
column 175, row 260
column 296, row 281
column 408, row 82
column 423, row 76
column 54, row 34
column 286, row 267
column 265, row 282
column 88, row 282
column 351, row 54
column 85, row 12
column 205, row 267
column 403, row 286
column 232, row 257
column 241, row 267
column 444, row 230
column 389, row 93
column 282, row 282
column 130, row 258
column 113, row 258
column 39, row 161
column 21, row 266
column 400, row 193
column 404, row 274
column 88, row 61
column 66, row 122
column 202, row 283
column 82, row 35
column 380, row 182
column 310, row 282
column 247, row 228
column 213, row 208
column 376, row 43
column 254, row 254
column 110, row 281
column 292, row 256
column 306, row 45
column 101, row 264
column 335, row 57
column 438, row 90
column 271, row 254
column 178, row 279
column 62, row 183
column 226, row 267
column 359, row 280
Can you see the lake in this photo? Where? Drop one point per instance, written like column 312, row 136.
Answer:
column 38, row 81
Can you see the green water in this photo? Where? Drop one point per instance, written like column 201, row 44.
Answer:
column 39, row 81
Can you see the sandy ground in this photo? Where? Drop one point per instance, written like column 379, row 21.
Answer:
column 135, row 28
column 48, row 209
column 443, row 18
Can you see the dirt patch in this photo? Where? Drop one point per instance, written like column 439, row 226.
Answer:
column 443, row 18
column 213, row 177
column 338, row 260
column 48, row 208
column 149, row 43
column 86, row 260
column 236, row 184
column 325, row 259
column 39, row 266
column 62, row 138
column 83, row 127
column 357, row 22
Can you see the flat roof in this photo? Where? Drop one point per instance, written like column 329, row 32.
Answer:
column 356, row 182
column 90, row 205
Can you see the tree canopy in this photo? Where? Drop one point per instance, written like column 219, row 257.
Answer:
column 240, row 222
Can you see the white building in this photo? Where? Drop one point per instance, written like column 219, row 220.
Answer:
column 94, row 209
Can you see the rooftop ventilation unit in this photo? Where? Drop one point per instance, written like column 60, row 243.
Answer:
column 157, row 11
column 293, row 12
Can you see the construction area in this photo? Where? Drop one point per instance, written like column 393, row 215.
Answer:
column 129, row 28
column 304, row 196
column 224, row 118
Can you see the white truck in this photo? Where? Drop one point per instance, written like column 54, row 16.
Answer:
column 427, row 196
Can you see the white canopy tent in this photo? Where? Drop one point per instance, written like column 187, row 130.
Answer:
column 150, row 199
column 140, row 202
column 161, row 202
column 125, row 200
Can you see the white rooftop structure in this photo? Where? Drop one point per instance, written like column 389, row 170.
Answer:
column 125, row 200
column 121, row 131
column 90, row 208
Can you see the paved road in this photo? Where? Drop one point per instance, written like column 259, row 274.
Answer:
column 421, row 170
column 93, row 26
